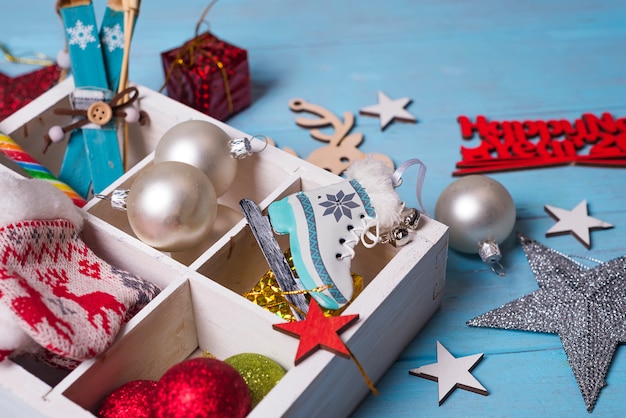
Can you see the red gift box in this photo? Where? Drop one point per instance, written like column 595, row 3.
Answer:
column 209, row 75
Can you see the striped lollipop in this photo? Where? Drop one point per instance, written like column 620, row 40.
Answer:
column 17, row 154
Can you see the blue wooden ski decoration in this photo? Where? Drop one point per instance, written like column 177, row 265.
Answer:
column 93, row 160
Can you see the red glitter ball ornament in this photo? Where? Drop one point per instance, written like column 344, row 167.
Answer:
column 201, row 387
column 131, row 400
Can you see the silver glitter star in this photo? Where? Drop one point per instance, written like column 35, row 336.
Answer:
column 576, row 221
column 585, row 306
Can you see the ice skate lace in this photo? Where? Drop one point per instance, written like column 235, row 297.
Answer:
column 368, row 233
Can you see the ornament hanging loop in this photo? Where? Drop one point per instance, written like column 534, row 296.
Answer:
column 396, row 179
column 202, row 17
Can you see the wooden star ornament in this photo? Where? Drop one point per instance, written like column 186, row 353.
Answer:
column 318, row 331
column 388, row 110
column 576, row 222
column 451, row 372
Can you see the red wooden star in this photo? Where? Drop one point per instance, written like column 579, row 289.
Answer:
column 318, row 331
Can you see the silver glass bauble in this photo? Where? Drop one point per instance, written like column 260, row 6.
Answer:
column 480, row 214
column 202, row 145
column 171, row 206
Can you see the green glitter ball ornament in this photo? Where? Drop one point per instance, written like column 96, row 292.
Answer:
column 260, row 373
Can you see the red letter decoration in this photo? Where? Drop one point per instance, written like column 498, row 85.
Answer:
column 515, row 145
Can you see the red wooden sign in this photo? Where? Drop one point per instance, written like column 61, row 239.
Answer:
column 516, row 145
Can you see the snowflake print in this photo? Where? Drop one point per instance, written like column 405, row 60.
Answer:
column 81, row 35
column 113, row 37
column 339, row 205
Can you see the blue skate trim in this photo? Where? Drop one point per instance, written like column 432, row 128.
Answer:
column 283, row 222
column 316, row 256
column 365, row 198
column 281, row 216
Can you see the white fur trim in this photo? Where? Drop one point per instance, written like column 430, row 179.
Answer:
column 375, row 177
column 33, row 199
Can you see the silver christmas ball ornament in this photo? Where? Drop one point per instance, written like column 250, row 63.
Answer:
column 480, row 214
column 203, row 145
column 226, row 219
column 171, row 206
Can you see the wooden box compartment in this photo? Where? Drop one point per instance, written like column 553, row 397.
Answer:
column 201, row 307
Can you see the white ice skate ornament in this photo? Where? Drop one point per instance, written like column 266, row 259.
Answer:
column 325, row 224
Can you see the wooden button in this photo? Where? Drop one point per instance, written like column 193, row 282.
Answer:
column 99, row 113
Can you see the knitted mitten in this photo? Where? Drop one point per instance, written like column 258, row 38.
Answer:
column 62, row 295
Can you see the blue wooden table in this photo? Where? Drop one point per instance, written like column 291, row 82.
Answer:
column 506, row 60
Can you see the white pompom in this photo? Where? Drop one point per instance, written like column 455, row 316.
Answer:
column 24, row 199
column 56, row 134
column 63, row 59
column 132, row 115
column 375, row 177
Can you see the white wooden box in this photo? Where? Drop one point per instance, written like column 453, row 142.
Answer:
column 201, row 307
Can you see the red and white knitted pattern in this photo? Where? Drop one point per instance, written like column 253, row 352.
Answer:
column 67, row 299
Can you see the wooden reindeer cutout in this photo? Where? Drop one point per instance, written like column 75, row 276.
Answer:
column 342, row 149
